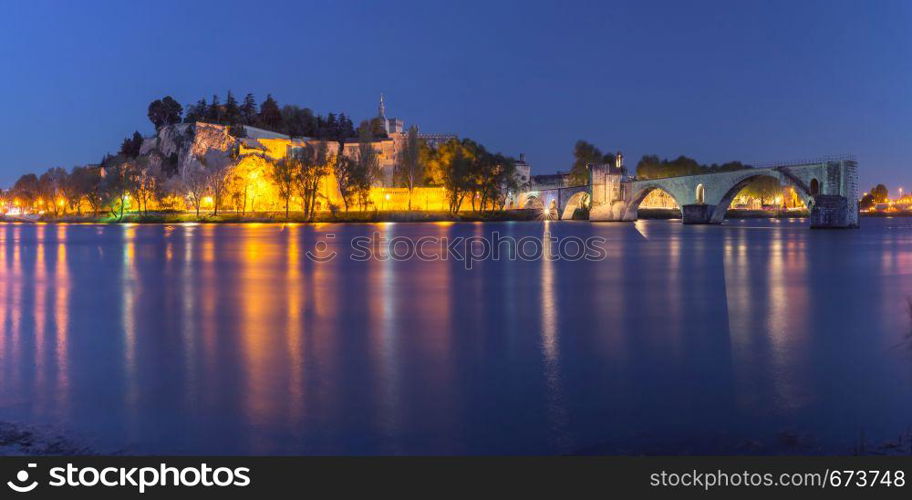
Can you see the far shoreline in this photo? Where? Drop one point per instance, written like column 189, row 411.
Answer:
column 523, row 215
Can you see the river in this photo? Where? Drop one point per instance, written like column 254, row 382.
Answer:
column 758, row 336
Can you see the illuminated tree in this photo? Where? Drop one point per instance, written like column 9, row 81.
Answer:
column 367, row 167
column 763, row 188
column 194, row 181
column 64, row 190
column 283, row 173
column 26, row 190
column 880, row 193
column 409, row 169
column 456, row 160
column 119, row 180
column 88, row 186
column 47, row 191
column 147, row 183
column 312, row 165
column 217, row 166
column 344, row 171
column 498, row 179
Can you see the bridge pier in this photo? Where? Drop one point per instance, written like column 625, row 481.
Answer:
column 833, row 212
column 698, row 214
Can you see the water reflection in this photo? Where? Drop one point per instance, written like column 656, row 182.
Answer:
column 226, row 339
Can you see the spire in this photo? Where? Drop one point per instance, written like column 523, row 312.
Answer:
column 382, row 109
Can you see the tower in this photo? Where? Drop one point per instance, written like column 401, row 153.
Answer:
column 381, row 109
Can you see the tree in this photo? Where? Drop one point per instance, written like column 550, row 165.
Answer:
column 456, row 161
column 148, row 183
column 25, row 191
column 376, row 126
column 283, row 173
column 47, row 192
column 297, row 121
column 584, row 154
column 197, row 112
column 652, row 167
column 270, row 117
column 214, row 111
column 131, row 146
column 344, row 171
column 367, row 167
column 194, row 181
column 764, row 188
column 867, row 202
column 87, row 186
column 165, row 111
column 498, row 179
column 64, row 191
column 119, row 180
column 409, row 169
column 313, row 165
column 217, row 166
column 232, row 112
column 248, row 110
column 880, row 193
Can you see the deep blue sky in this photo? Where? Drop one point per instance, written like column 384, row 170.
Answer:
column 753, row 81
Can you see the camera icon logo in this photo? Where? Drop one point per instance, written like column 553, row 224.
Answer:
column 22, row 477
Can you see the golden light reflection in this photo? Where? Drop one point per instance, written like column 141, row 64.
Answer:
column 39, row 313
column 128, row 313
column 384, row 335
column 255, row 309
column 17, row 279
column 4, row 288
column 550, row 343
column 189, row 319
column 294, row 333
column 62, row 311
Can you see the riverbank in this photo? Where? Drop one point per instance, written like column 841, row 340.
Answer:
column 279, row 217
column 386, row 216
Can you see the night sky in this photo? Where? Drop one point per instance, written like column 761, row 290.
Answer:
column 717, row 81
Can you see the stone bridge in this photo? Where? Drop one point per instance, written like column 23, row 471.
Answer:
column 556, row 202
column 829, row 188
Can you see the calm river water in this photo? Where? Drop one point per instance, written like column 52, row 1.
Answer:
column 226, row 339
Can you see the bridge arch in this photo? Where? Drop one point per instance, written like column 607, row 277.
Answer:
column 721, row 208
column 580, row 199
column 630, row 210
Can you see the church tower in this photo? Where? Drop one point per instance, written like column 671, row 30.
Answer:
column 390, row 125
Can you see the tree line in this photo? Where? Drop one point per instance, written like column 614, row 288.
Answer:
column 290, row 119
column 878, row 194
column 131, row 181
